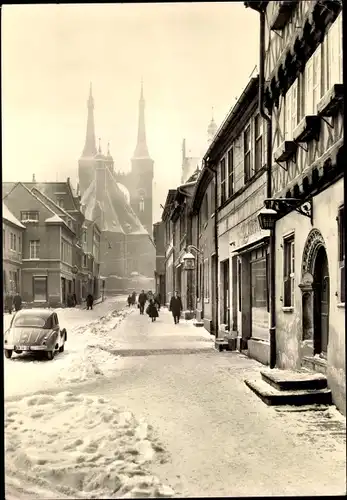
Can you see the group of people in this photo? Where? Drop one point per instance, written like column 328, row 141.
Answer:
column 13, row 302
column 154, row 302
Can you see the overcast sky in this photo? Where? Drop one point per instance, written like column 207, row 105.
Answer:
column 191, row 56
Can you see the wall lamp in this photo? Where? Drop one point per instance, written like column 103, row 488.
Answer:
column 189, row 259
column 269, row 214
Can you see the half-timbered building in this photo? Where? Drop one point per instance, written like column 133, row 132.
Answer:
column 304, row 95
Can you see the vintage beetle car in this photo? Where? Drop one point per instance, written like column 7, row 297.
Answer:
column 34, row 330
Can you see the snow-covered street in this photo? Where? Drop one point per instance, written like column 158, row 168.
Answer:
column 164, row 415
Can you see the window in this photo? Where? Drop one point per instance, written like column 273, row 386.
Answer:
column 230, row 172
column 258, row 147
column 84, row 236
column 13, row 242
column 291, row 110
column 66, row 252
column 84, row 261
column 206, row 278
column 40, row 288
column 61, row 202
column 29, row 216
column 313, row 87
column 205, row 208
column 19, row 245
column 342, row 252
column 223, row 182
column 333, row 55
column 259, row 306
column 34, row 249
column 288, row 272
column 247, row 153
column 142, row 204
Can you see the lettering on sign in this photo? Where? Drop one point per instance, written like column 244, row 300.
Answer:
column 247, row 229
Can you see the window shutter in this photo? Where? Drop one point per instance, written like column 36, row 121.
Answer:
column 294, row 107
column 288, row 120
column 317, row 77
column 308, row 87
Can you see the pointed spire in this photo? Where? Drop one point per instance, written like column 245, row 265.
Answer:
column 212, row 128
column 89, row 146
column 141, row 150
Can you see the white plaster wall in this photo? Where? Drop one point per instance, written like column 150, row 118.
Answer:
column 289, row 324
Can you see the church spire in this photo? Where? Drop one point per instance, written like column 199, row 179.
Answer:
column 141, row 150
column 89, row 146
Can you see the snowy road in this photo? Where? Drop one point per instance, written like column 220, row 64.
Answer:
column 177, row 413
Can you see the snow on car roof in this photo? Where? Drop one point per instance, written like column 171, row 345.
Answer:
column 44, row 313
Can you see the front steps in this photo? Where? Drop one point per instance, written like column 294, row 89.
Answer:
column 285, row 387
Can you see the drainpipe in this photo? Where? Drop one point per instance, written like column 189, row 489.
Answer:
column 272, row 246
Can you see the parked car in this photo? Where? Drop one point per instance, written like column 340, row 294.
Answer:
column 34, row 330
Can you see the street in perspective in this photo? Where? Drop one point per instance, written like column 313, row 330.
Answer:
column 173, row 250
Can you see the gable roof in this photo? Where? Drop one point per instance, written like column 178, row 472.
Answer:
column 52, row 203
column 9, row 217
column 32, row 194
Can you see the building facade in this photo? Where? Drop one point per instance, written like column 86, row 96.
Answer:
column 238, row 154
column 12, row 241
column 170, row 254
column 304, row 96
column 204, row 239
column 159, row 273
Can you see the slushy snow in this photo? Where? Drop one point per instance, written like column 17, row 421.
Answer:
column 78, row 446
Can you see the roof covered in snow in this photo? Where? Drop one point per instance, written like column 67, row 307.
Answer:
column 118, row 216
column 9, row 217
column 54, row 218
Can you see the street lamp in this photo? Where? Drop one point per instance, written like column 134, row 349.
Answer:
column 268, row 215
column 188, row 258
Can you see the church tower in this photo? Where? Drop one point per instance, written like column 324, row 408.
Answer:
column 142, row 173
column 86, row 164
column 211, row 130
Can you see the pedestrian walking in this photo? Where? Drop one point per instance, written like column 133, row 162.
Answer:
column 176, row 307
column 90, row 300
column 152, row 310
column 157, row 300
column 17, row 302
column 9, row 303
column 142, row 301
column 133, row 298
column 129, row 300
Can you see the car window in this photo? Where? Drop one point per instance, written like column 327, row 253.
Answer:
column 32, row 321
column 53, row 320
column 56, row 319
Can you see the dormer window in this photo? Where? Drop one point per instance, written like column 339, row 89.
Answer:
column 61, row 202
column 29, row 216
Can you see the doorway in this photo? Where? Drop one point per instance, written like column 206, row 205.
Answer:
column 321, row 303
column 213, row 293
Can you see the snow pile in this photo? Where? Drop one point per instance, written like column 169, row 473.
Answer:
column 86, row 357
column 78, row 446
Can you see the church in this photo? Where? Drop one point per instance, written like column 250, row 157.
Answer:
column 121, row 205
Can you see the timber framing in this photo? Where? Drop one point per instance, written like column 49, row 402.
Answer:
column 313, row 30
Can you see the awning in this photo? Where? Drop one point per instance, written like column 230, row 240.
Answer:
column 255, row 241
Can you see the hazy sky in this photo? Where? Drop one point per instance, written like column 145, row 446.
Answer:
column 191, row 56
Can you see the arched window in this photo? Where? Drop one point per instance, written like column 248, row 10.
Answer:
column 142, row 204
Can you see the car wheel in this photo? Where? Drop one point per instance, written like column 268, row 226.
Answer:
column 8, row 353
column 62, row 348
column 50, row 355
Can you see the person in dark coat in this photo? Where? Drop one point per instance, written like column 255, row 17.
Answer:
column 133, row 298
column 129, row 300
column 157, row 300
column 152, row 310
column 90, row 300
column 17, row 302
column 142, row 301
column 176, row 307
column 9, row 303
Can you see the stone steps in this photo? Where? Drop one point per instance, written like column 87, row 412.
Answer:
column 283, row 387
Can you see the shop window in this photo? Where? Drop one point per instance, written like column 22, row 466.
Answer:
column 230, row 172
column 259, row 294
column 40, row 288
column 288, row 271
column 342, row 253
column 223, row 185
